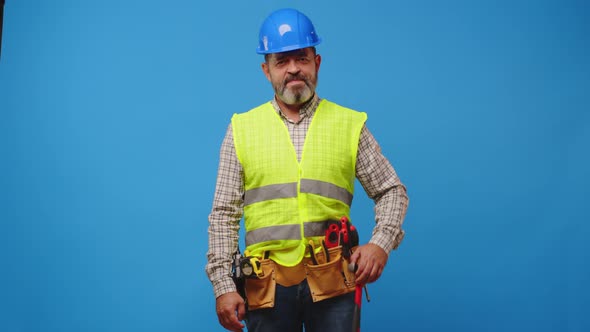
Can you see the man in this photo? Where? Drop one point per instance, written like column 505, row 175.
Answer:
column 288, row 166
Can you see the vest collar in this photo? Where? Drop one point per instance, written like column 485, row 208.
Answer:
column 306, row 111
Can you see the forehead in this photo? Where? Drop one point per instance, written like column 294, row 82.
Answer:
column 299, row 52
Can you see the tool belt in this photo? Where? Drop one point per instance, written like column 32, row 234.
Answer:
column 326, row 279
column 326, row 269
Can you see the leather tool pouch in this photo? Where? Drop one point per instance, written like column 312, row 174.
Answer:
column 330, row 279
column 260, row 292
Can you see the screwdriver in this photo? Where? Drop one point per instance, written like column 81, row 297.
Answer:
column 352, row 267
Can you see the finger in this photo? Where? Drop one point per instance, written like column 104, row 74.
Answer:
column 235, row 323
column 363, row 271
column 355, row 256
column 229, row 320
column 231, row 323
column 241, row 311
column 375, row 273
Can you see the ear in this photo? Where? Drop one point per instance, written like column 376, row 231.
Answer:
column 265, row 70
column 318, row 61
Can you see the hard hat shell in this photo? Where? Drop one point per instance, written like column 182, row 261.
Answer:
column 286, row 30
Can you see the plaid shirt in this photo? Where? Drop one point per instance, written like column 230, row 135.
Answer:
column 373, row 171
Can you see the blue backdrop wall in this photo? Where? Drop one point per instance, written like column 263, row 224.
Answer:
column 112, row 114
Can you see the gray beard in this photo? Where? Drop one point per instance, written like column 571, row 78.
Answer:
column 295, row 96
column 299, row 96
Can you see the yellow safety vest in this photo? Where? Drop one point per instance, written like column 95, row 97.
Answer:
column 286, row 202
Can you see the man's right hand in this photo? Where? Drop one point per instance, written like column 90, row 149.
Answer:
column 231, row 309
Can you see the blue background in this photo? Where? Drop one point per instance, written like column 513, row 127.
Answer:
column 112, row 114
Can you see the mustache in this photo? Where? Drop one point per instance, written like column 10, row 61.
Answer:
column 296, row 78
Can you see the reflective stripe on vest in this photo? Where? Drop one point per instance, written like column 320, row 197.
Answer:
column 273, row 191
column 286, row 190
column 285, row 232
column 326, row 189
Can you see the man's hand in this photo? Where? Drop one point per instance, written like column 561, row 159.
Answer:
column 227, row 305
column 371, row 260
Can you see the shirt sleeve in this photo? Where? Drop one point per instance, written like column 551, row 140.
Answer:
column 225, row 216
column 382, row 185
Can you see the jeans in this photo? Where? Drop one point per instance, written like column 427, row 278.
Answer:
column 295, row 309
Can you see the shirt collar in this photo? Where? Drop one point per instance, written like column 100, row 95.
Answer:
column 306, row 110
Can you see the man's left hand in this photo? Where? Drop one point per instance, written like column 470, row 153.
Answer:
column 371, row 260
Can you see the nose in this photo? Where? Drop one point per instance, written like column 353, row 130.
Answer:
column 293, row 68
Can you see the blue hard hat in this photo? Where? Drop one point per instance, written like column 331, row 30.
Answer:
column 286, row 30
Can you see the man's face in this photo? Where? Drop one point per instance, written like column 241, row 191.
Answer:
column 293, row 74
